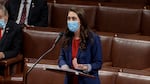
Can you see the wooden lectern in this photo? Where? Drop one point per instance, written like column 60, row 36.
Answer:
column 57, row 69
column 50, row 74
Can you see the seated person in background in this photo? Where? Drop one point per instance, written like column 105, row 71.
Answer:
column 81, row 49
column 3, row 1
column 10, row 36
column 28, row 12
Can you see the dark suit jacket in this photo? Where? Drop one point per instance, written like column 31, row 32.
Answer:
column 11, row 41
column 38, row 13
column 92, row 55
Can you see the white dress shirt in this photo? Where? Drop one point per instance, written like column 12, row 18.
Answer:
column 20, row 11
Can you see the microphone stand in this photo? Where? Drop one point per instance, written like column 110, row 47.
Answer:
column 49, row 50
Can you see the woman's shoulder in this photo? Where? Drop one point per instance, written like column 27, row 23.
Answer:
column 94, row 37
column 93, row 34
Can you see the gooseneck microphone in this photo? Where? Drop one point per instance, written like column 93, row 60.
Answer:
column 58, row 38
column 45, row 53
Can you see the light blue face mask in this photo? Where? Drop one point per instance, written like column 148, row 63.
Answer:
column 73, row 25
column 2, row 23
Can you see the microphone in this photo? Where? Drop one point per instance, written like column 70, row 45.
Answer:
column 59, row 37
column 45, row 53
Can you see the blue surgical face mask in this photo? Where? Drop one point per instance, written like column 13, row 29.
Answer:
column 73, row 25
column 2, row 23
